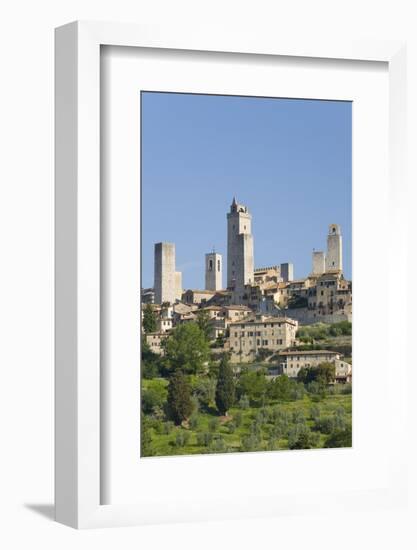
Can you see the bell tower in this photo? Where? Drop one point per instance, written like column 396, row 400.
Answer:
column 213, row 270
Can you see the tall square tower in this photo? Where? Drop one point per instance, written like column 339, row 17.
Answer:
column 164, row 273
column 287, row 272
column 319, row 262
column 240, row 264
column 334, row 249
column 214, row 269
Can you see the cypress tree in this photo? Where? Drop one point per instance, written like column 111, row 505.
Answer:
column 149, row 319
column 225, row 388
column 179, row 397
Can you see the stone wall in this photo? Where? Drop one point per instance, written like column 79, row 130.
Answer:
column 307, row 317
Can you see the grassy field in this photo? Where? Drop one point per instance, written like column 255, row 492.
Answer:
column 254, row 428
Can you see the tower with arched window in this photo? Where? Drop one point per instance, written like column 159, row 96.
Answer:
column 214, row 269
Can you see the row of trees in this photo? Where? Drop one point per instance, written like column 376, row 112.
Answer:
column 251, row 388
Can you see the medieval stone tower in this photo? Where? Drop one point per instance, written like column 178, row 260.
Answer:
column 214, row 269
column 319, row 262
column 240, row 263
column 334, row 249
column 167, row 281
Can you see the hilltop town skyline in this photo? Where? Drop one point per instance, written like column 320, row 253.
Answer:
column 294, row 172
column 223, row 276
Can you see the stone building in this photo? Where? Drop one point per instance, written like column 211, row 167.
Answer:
column 263, row 275
column 154, row 340
column 197, row 296
column 240, row 263
column 331, row 294
column 248, row 336
column 291, row 362
column 213, row 273
column 222, row 316
column 164, row 273
column 334, row 249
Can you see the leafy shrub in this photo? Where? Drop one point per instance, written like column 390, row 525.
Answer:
column 272, row 444
column 326, row 424
column 204, row 439
column 297, row 392
column 244, row 402
column 341, row 438
column 315, row 413
column 151, row 398
column 213, row 424
column 256, row 428
column 204, row 389
column 238, row 418
column 250, row 443
column 218, row 445
column 194, row 422
column 298, row 417
column 167, row 427
column 231, row 427
column 301, row 437
column 182, row 438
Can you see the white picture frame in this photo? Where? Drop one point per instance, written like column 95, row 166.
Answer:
column 78, row 403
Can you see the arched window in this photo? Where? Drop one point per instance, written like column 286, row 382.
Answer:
column 210, row 265
column 218, row 265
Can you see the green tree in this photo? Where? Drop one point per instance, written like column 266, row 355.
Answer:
column 146, row 437
column 186, row 349
column 205, row 391
column 281, row 388
column 326, row 373
column 254, row 385
column 213, row 424
column 151, row 399
column 149, row 319
column 340, row 438
column 301, row 437
column 150, row 361
column 180, row 405
column 225, row 388
column 203, row 322
column 182, row 438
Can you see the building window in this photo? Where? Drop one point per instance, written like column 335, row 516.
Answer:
column 210, row 265
column 218, row 265
column 258, row 342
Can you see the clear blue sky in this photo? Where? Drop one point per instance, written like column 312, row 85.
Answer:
column 288, row 160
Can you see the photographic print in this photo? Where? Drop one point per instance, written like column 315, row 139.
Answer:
column 246, row 274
